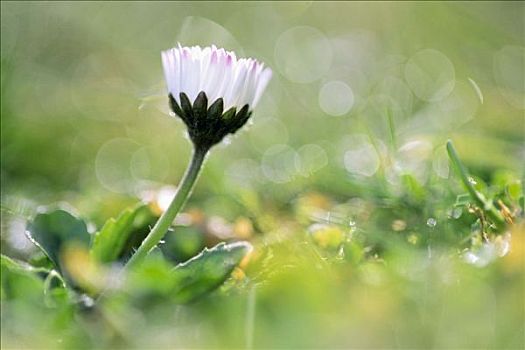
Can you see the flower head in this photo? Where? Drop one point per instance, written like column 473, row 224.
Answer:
column 232, row 86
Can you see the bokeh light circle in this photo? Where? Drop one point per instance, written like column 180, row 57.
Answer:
column 310, row 158
column 430, row 75
column 336, row 98
column 267, row 132
column 361, row 158
column 411, row 158
column 112, row 164
column 509, row 73
column 202, row 31
column 303, row 54
column 150, row 163
column 278, row 163
column 244, row 173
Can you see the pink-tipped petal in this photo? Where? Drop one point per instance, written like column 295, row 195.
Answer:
column 217, row 72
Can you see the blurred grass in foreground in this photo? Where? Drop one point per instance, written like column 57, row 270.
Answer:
column 342, row 183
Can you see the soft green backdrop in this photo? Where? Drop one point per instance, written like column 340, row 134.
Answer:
column 362, row 94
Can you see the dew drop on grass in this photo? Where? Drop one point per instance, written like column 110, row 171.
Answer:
column 431, row 222
column 456, row 213
column 87, row 301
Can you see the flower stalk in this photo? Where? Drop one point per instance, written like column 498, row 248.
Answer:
column 214, row 94
column 166, row 219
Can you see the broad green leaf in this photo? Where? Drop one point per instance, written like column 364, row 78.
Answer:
column 19, row 279
column 118, row 236
column 52, row 230
column 152, row 278
column 208, row 270
column 182, row 243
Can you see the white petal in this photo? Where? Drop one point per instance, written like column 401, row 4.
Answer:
column 233, row 93
column 216, row 72
column 170, row 63
column 248, row 91
column 215, row 77
column 228, row 65
column 264, row 79
column 192, row 74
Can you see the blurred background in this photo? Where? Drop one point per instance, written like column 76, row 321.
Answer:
column 353, row 124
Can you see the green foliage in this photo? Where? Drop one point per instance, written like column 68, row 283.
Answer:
column 189, row 281
column 208, row 270
column 20, row 280
column 114, row 240
column 64, row 239
column 182, row 242
column 53, row 230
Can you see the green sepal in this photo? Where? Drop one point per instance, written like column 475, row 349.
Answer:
column 207, row 126
column 187, row 109
column 200, row 109
column 174, row 105
column 241, row 118
column 215, row 110
column 229, row 114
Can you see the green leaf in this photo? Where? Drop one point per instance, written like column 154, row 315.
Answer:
column 182, row 243
column 413, row 187
column 19, row 279
column 486, row 204
column 208, row 270
column 462, row 200
column 514, row 190
column 113, row 240
column 151, row 279
column 52, row 230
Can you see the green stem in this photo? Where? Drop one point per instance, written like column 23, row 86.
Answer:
column 392, row 128
column 478, row 198
column 166, row 219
